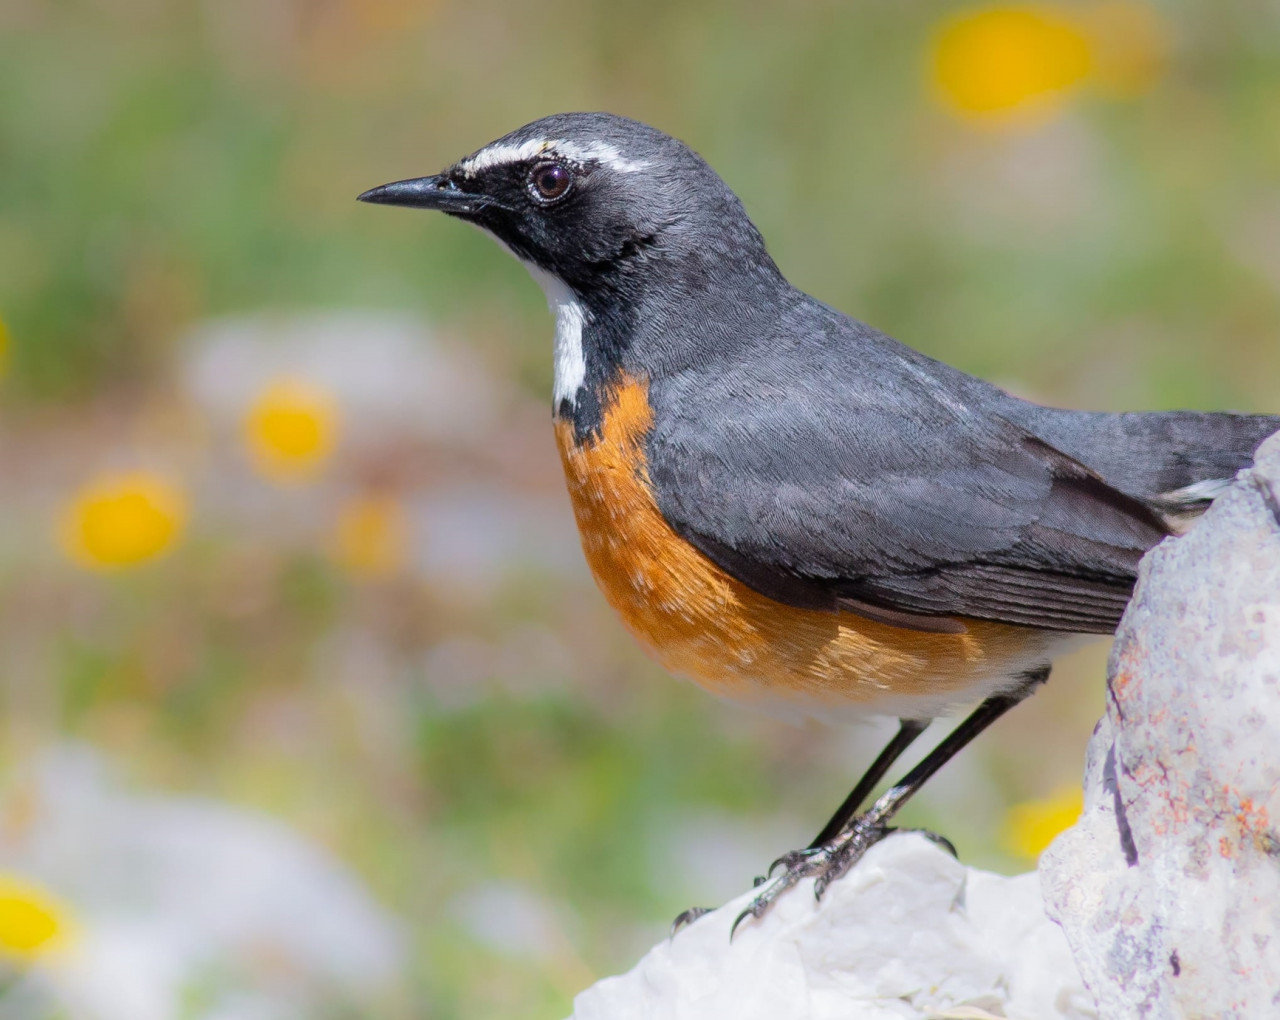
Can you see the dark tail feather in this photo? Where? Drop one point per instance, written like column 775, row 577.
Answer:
column 1173, row 460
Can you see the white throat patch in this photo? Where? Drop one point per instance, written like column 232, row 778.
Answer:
column 571, row 319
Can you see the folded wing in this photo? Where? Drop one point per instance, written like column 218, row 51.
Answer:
column 846, row 473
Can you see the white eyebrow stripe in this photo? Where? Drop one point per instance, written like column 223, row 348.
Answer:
column 597, row 152
column 496, row 155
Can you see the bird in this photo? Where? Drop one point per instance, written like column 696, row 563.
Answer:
column 790, row 507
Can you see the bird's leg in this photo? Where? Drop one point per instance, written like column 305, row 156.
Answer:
column 908, row 730
column 831, row 860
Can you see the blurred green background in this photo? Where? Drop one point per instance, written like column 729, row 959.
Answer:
column 283, row 523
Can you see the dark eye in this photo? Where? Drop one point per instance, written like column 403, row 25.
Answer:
column 550, row 181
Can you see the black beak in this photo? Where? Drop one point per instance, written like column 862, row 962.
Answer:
column 438, row 192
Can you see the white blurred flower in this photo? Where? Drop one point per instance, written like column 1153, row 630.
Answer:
column 511, row 919
column 471, row 535
column 180, row 899
column 388, row 375
column 1029, row 190
column 714, row 855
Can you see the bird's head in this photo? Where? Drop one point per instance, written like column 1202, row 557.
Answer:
column 645, row 255
column 587, row 198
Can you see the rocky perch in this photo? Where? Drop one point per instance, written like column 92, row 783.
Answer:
column 1162, row 901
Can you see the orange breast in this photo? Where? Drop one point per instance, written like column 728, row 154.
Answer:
column 699, row 622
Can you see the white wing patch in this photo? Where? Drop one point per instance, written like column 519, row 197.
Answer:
column 1184, row 506
column 500, row 154
column 1209, row 488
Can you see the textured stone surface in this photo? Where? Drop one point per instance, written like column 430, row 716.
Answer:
column 1169, row 887
column 909, row 933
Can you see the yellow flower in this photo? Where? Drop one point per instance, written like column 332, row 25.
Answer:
column 1032, row 825
column 1002, row 64
column 371, row 536
column 33, row 923
column 5, row 344
column 121, row 520
column 291, row 429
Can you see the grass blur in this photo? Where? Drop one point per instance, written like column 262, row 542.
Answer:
column 309, row 438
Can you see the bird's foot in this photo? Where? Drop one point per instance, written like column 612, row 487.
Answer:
column 686, row 918
column 936, row 838
column 824, row 864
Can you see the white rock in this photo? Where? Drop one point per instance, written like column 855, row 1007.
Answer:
column 909, row 933
column 1181, row 917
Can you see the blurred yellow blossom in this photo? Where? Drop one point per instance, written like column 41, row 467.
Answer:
column 371, row 535
column 1002, row 63
column 1013, row 64
column 1032, row 825
column 4, row 348
column 32, row 922
column 291, row 429
column 120, row 520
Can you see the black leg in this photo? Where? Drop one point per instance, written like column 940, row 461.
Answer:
column 831, row 860
column 981, row 717
column 908, row 730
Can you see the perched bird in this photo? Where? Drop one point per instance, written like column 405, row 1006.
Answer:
column 790, row 507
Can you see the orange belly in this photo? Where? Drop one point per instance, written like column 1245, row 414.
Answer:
column 701, row 623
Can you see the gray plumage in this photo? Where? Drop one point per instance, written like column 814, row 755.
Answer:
column 813, row 458
column 836, row 465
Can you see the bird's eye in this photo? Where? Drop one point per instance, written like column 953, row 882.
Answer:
column 550, row 181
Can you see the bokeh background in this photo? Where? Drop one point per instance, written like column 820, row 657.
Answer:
column 308, row 706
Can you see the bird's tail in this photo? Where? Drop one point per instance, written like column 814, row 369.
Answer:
column 1175, row 461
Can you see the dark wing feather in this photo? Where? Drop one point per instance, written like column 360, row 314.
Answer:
column 839, row 467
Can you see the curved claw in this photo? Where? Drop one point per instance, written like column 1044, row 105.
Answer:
column 934, row 838
column 759, row 906
column 753, row 910
column 824, row 864
column 792, row 858
column 686, row 918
